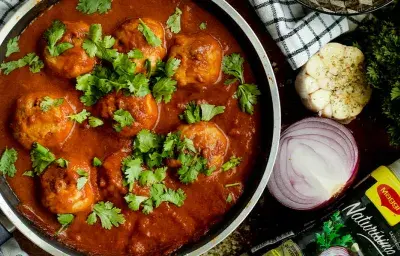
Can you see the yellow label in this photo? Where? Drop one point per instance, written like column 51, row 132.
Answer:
column 288, row 248
column 385, row 194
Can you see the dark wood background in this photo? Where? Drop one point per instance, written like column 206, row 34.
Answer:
column 269, row 218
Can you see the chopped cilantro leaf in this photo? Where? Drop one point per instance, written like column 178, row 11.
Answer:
column 146, row 141
column 47, row 103
column 205, row 112
column 53, row 35
column 191, row 167
column 229, row 199
column 176, row 197
column 61, row 162
column 163, row 89
column 7, row 162
column 12, row 46
column 31, row 60
column 97, row 162
column 247, row 95
column 29, row 174
column 123, row 119
column 108, row 214
column 134, row 201
column 139, row 85
column 174, row 21
column 123, row 65
column 95, row 122
column 209, row 111
column 151, row 38
column 171, row 66
column 41, row 158
column 203, row 26
column 233, row 65
column 147, row 206
column 93, row 6
column 147, row 178
column 131, row 167
column 135, row 54
column 232, row 163
column 170, row 144
column 80, row 117
column 65, row 220
column 81, row 182
column 96, row 46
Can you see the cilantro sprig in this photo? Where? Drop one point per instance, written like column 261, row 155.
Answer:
column 232, row 163
column 331, row 234
column 80, row 117
column 109, row 215
column 123, row 119
column 93, row 6
column 99, row 46
column 7, row 162
column 53, row 35
column 159, row 193
column 174, row 21
column 31, row 60
column 204, row 112
column 246, row 93
column 65, row 220
column 41, row 158
column 12, row 46
column 48, row 103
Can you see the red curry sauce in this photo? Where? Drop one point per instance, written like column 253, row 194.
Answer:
column 168, row 227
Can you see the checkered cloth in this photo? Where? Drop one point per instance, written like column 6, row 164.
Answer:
column 298, row 32
column 7, row 9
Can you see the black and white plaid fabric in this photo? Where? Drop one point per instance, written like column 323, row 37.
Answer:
column 7, row 9
column 298, row 32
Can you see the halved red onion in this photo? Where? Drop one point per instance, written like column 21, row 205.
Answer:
column 335, row 251
column 317, row 160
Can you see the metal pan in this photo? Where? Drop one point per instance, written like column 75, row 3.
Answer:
column 269, row 141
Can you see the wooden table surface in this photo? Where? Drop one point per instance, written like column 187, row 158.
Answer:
column 269, row 219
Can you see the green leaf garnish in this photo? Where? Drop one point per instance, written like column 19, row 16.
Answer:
column 134, row 201
column 95, row 122
column 131, row 168
column 203, row 26
column 229, row 199
column 135, row 54
column 100, row 47
column 65, row 220
column 93, row 6
column 247, row 95
column 7, row 162
column 80, row 117
column 83, row 179
column 29, row 174
column 41, row 158
column 174, row 21
column 151, row 38
column 109, row 215
column 31, row 60
column 12, row 46
column 146, row 141
column 123, row 119
column 164, row 89
column 192, row 166
column 232, row 163
column 233, row 65
column 97, row 162
column 147, row 178
column 61, row 162
column 53, row 35
column 171, row 66
column 47, row 103
column 204, row 112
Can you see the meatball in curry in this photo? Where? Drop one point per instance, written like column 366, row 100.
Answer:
column 201, row 59
column 75, row 61
column 128, row 37
column 144, row 111
column 61, row 192
column 209, row 140
column 42, row 118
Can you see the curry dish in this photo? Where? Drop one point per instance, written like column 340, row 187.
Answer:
column 129, row 129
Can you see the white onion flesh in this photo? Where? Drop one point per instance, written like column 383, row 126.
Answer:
column 316, row 160
column 335, row 251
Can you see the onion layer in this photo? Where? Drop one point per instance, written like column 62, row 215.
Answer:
column 317, row 160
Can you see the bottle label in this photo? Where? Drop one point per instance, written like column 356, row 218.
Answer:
column 385, row 195
column 288, row 248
